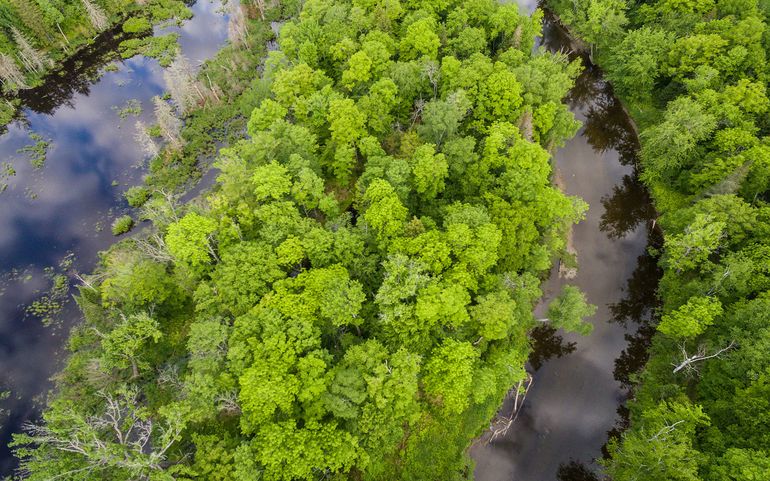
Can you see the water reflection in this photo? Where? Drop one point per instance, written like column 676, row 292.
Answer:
column 547, row 344
column 575, row 471
column 68, row 205
column 76, row 75
column 627, row 207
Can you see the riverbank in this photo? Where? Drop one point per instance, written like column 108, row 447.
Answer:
column 698, row 409
column 579, row 383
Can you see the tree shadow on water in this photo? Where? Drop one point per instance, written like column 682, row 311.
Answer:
column 628, row 206
column 575, row 471
column 546, row 345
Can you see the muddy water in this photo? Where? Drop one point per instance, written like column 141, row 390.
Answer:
column 63, row 209
column 580, row 383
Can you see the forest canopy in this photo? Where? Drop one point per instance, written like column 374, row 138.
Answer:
column 352, row 300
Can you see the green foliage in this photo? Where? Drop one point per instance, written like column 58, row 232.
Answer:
column 190, row 239
column 122, row 224
column 137, row 25
column 136, row 195
column 691, row 319
column 661, row 448
column 568, row 310
column 36, row 152
column 353, row 297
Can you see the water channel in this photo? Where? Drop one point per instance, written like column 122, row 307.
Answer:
column 576, row 400
column 56, row 218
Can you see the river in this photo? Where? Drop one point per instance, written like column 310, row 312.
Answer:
column 580, row 384
column 56, row 218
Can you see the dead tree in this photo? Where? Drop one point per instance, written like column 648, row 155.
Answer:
column 689, row 361
column 181, row 84
column 170, row 125
column 33, row 59
column 502, row 424
column 153, row 247
column 97, row 16
column 261, row 8
column 237, row 30
column 143, row 138
column 10, row 74
column 118, row 436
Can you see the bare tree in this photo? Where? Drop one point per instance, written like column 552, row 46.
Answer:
column 143, row 138
column 97, row 16
column 689, row 361
column 525, row 125
column 261, row 8
column 162, row 209
column 33, row 59
column 119, row 436
column 10, row 74
column 237, row 31
column 181, row 84
column 228, row 403
column 170, row 125
column 153, row 247
column 432, row 70
column 502, row 424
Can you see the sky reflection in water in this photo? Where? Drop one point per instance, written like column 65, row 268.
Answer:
column 69, row 204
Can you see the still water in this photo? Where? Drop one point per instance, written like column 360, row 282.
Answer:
column 576, row 400
column 56, row 218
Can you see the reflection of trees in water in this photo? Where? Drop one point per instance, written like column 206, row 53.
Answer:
column 546, row 345
column 606, row 126
column 633, row 357
column 76, row 75
column 575, row 471
column 622, row 422
column 628, row 206
column 640, row 300
column 638, row 308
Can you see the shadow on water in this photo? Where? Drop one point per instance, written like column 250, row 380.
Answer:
column 547, row 344
column 576, row 403
column 76, row 75
column 575, row 471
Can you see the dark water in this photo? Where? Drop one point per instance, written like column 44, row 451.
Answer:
column 66, row 207
column 580, row 383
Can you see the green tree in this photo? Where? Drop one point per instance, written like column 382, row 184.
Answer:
column 190, row 240
column 123, row 346
column 691, row 319
column 569, row 309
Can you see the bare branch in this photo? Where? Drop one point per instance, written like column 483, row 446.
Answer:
column 688, row 361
